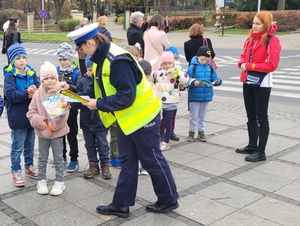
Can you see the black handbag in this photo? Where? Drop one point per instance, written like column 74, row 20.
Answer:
column 255, row 78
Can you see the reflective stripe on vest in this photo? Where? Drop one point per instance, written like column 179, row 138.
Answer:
column 145, row 106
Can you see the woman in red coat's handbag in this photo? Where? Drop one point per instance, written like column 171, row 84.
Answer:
column 260, row 57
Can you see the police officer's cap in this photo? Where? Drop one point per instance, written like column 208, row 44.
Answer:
column 82, row 34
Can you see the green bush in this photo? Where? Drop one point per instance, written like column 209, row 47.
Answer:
column 185, row 22
column 67, row 25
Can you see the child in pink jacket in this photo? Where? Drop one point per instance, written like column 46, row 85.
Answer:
column 50, row 124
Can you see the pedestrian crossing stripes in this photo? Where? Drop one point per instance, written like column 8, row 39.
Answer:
column 285, row 83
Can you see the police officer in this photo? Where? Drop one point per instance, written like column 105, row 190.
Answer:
column 123, row 94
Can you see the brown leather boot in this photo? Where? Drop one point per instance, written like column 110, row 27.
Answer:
column 92, row 170
column 105, row 171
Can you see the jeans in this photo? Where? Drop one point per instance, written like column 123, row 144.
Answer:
column 96, row 142
column 56, row 145
column 256, row 100
column 22, row 141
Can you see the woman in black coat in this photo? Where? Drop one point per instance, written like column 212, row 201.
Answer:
column 196, row 41
column 11, row 35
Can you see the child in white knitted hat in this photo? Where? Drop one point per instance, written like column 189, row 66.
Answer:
column 50, row 130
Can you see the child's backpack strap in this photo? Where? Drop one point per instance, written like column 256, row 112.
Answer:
column 268, row 40
column 75, row 76
column 195, row 68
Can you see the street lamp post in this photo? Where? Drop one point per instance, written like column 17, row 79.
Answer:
column 258, row 5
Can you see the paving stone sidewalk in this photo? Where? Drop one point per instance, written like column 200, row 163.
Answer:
column 216, row 186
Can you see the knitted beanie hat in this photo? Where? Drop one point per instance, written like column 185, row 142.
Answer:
column 88, row 62
column 15, row 51
column 174, row 50
column 146, row 66
column 48, row 70
column 167, row 57
column 204, row 51
column 65, row 51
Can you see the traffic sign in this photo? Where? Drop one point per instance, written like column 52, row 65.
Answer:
column 43, row 14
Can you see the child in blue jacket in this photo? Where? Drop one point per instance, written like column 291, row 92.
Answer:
column 202, row 79
column 94, row 132
column 20, row 83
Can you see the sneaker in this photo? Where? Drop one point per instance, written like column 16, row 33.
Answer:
column 30, row 172
column 53, row 165
column 58, row 188
column 201, row 137
column 164, row 146
column 17, row 179
column 190, row 138
column 143, row 172
column 92, row 170
column 174, row 137
column 115, row 163
column 42, row 188
column 73, row 166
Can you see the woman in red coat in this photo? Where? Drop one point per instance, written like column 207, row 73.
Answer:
column 260, row 57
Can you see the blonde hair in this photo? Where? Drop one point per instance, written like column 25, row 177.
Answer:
column 196, row 30
column 102, row 20
column 133, row 50
column 266, row 19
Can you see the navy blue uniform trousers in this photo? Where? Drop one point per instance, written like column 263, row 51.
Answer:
column 143, row 145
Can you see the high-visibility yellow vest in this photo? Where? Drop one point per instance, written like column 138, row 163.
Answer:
column 145, row 106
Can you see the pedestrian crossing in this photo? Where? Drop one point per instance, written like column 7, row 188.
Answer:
column 286, row 83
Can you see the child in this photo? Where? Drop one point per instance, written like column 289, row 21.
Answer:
column 94, row 132
column 50, row 132
column 175, row 52
column 165, row 79
column 200, row 92
column 20, row 83
column 68, row 72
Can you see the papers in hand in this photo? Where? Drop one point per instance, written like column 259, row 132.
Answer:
column 206, row 83
column 73, row 97
column 54, row 106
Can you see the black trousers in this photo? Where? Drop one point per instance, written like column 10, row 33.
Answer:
column 143, row 145
column 72, row 136
column 256, row 100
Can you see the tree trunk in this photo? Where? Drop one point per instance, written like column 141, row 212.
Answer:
column 281, row 5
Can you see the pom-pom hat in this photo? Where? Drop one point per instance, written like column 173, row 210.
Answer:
column 65, row 51
column 174, row 50
column 146, row 66
column 48, row 70
column 82, row 34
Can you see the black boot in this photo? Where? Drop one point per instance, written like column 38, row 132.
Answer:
column 252, row 127
column 257, row 156
column 246, row 150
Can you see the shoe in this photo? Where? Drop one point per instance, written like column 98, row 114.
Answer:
column 105, row 171
column 72, row 167
column 190, row 138
column 53, row 165
column 92, row 170
column 115, row 163
column 142, row 171
column 114, row 209
column 201, row 136
column 58, row 188
column 174, row 137
column 164, row 146
column 30, row 172
column 42, row 188
column 17, row 179
column 246, row 150
column 256, row 157
column 159, row 208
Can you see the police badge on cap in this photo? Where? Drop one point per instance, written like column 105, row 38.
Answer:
column 82, row 34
